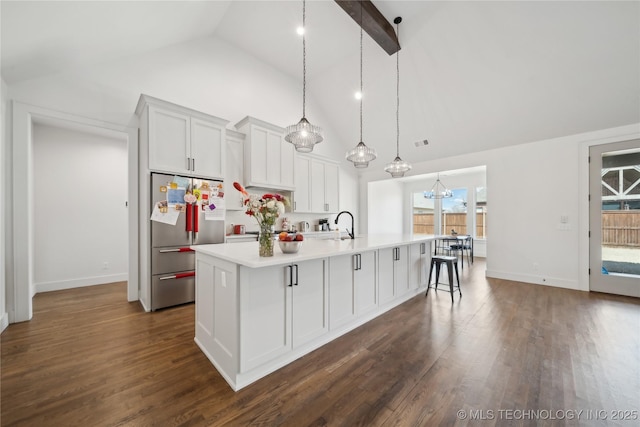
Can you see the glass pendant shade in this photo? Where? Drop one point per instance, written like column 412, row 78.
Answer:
column 397, row 168
column 303, row 135
column 361, row 155
column 438, row 191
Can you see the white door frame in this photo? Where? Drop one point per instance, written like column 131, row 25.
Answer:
column 609, row 283
column 20, row 306
column 605, row 136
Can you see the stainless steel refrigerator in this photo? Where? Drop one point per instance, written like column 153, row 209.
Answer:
column 172, row 259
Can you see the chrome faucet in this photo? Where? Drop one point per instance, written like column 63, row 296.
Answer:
column 352, row 232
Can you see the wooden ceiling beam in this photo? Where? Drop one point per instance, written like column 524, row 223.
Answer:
column 373, row 23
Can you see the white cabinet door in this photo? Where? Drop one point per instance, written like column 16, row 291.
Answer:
column 169, row 140
column 366, row 296
column 331, row 188
column 420, row 258
column 393, row 273
column 401, row 270
column 386, row 282
column 324, row 187
column 342, row 306
column 208, row 149
column 310, row 296
column 317, row 187
column 301, row 199
column 255, row 172
column 287, row 164
column 234, row 168
column 266, row 315
column 273, row 158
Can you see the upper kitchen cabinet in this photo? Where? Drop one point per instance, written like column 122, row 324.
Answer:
column 234, row 169
column 317, row 189
column 268, row 158
column 181, row 140
column 324, row 186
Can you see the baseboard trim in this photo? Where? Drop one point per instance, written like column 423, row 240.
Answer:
column 536, row 280
column 79, row 283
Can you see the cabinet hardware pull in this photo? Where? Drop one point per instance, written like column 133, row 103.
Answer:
column 355, row 262
column 359, row 261
column 296, row 265
column 290, row 275
column 188, row 163
column 193, row 164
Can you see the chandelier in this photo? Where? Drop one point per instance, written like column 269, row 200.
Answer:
column 303, row 135
column 438, row 191
column 398, row 167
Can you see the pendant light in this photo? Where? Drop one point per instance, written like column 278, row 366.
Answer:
column 438, row 191
column 303, row 135
column 398, row 167
column 361, row 155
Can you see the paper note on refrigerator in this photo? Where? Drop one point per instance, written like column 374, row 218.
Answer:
column 169, row 217
column 215, row 211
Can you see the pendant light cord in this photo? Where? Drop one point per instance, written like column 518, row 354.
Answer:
column 398, row 94
column 361, row 94
column 304, row 58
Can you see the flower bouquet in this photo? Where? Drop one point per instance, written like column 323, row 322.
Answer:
column 265, row 209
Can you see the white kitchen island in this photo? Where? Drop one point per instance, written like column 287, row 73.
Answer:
column 255, row 315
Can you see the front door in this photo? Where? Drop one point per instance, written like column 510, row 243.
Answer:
column 614, row 218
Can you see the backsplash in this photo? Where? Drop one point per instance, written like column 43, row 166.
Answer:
column 239, row 217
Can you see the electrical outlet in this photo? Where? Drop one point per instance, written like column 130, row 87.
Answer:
column 105, row 265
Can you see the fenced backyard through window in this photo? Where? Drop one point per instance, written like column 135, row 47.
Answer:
column 621, row 228
column 423, row 223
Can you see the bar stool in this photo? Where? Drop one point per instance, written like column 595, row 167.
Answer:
column 452, row 263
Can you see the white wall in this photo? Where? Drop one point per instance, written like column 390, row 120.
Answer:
column 529, row 187
column 80, row 217
column 386, row 207
column 4, row 179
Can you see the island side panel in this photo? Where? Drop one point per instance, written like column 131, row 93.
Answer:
column 217, row 313
column 265, row 313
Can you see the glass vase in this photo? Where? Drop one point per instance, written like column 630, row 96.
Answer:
column 265, row 240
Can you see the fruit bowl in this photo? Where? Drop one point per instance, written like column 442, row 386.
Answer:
column 290, row 247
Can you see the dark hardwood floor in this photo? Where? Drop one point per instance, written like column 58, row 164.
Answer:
column 503, row 354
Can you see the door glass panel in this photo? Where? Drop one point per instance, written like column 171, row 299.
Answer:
column 615, row 218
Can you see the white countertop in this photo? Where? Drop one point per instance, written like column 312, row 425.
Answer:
column 246, row 253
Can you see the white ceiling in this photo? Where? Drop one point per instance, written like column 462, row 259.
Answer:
column 474, row 75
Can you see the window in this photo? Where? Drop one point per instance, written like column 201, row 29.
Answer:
column 423, row 210
column 454, row 212
column 481, row 212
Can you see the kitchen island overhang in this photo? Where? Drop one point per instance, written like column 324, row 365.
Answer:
column 256, row 314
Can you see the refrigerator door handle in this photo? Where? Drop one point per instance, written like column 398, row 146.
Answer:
column 179, row 276
column 196, row 219
column 164, row 251
column 189, row 217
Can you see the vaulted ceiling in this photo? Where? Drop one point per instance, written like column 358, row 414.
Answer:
column 474, row 75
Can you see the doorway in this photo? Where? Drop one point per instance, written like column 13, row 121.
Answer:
column 20, row 289
column 614, row 218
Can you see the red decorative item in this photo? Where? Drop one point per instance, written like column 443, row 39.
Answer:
column 189, row 213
